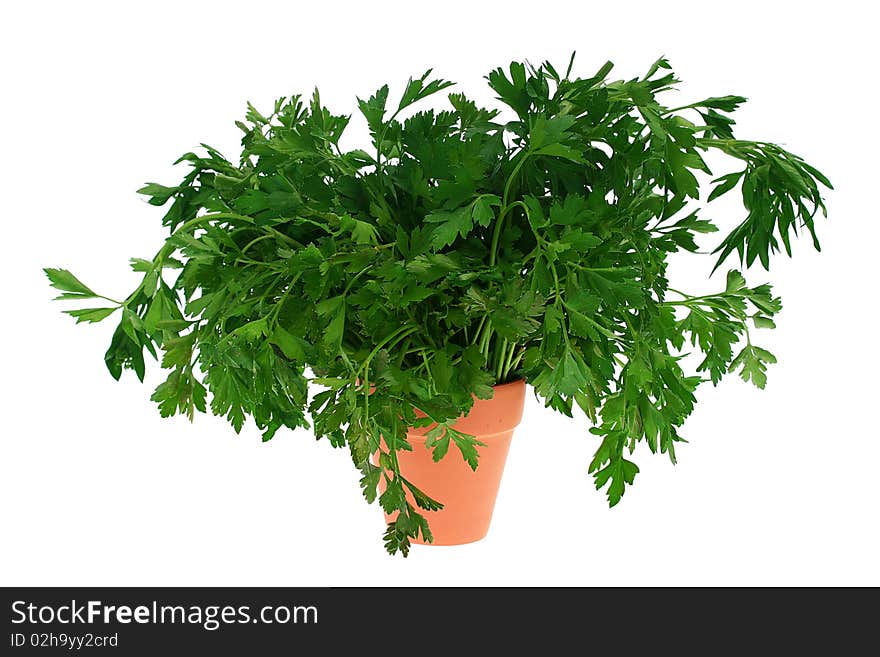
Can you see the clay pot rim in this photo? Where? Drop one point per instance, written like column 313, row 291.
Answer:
column 495, row 387
column 419, row 434
column 508, row 383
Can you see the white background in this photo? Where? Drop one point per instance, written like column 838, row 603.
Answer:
column 776, row 487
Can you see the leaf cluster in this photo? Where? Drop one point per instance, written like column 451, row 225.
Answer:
column 462, row 248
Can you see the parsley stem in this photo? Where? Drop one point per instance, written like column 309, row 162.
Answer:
column 501, row 359
column 484, row 341
column 479, row 329
column 283, row 299
column 516, row 361
column 508, row 364
column 356, row 276
column 397, row 335
column 496, row 234
column 255, row 241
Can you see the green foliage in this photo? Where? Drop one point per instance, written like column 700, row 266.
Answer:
column 463, row 248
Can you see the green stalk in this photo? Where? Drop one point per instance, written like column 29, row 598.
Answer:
column 505, row 208
column 499, row 370
column 508, row 366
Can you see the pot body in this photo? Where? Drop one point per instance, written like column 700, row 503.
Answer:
column 468, row 496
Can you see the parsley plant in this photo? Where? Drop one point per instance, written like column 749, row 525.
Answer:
column 458, row 251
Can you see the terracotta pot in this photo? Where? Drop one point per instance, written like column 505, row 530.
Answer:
column 468, row 496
